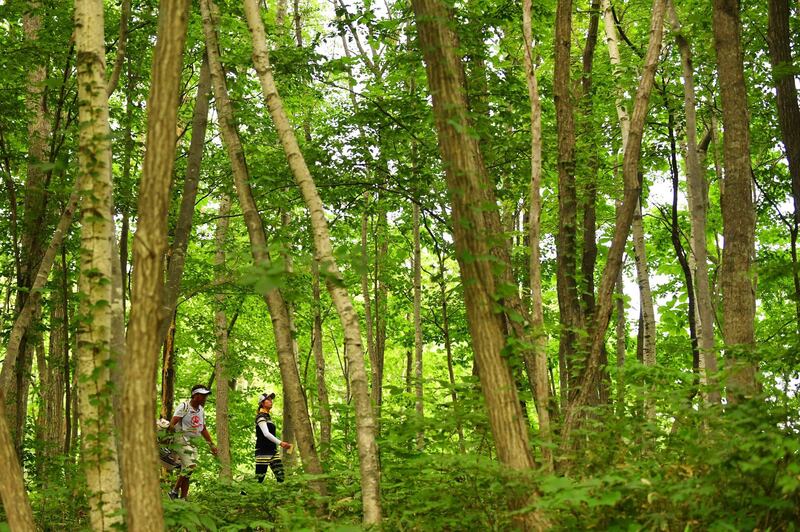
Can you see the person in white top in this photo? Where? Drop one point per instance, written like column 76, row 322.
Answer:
column 189, row 421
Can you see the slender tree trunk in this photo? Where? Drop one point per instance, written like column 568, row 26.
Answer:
column 625, row 213
column 122, row 45
column 589, row 244
column 261, row 257
column 449, row 347
column 183, row 225
column 566, row 247
column 697, row 198
column 675, row 234
column 99, row 452
column 319, row 362
column 51, row 415
column 780, row 53
column 12, row 486
column 168, row 371
column 477, row 235
column 221, row 333
column 738, row 212
column 365, row 421
column 622, row 336
column 375, row 386
column 418, row 389
column 140, row 463
column 640, row 253
column 16, row 340
column 34, row 221
column 645, row 293
column 540, row 385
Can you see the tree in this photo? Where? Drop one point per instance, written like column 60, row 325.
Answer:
column 738, row 214
column 365, row 422
column 140, row 463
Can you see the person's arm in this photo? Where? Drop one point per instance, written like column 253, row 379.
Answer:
column 262, row 424
column 207, row 437
column 174, row 422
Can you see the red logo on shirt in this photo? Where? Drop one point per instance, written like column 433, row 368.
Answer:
column 195, row 421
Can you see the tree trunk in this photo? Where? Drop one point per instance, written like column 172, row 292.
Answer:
column 183, row 225
column 221, row 334
column 12, row 486
column 540, row 385
column 375, row 391
column 168, row 371
column 261, row 257
column 648, row 332
column 675, row 234
column 477, row 235
column 99, row 454
column 570, row 316
column 449, row 347
column 780, row 54
column 365, row 421
column 738, row 212
column 697, row 198
column 319, row 362
column 645, row 294
column 34, row 221
column 418, row 389
column 51, row 371
column 625, row 213
column 622, row 337
column 140, row 461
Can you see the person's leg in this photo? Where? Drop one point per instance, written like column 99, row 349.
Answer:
column 185, row 484
column 262, row 463
column 277, row 468
column 188, row 455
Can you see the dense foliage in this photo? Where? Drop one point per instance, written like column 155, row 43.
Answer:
column 653, row 454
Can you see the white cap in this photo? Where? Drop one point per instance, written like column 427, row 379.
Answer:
column 201, row 390
column 269, row 394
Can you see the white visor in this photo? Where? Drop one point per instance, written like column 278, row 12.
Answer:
column 203, row 391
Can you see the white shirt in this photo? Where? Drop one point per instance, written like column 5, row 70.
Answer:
column 193, row 421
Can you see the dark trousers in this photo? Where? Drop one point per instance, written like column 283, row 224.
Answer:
column 269, row 462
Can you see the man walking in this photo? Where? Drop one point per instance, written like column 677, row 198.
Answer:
column 189, row 421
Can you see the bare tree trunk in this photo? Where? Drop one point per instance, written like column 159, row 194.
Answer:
column 566, row 247
column 418, row 388
column 221, row 333
column 477, row 235
column 12, row 486
column 258, row 242
column 365, row 422
column 448, row 345
column 168, row 371
column 51, row 372
column 738, row 212
column 34, row 222
column 140, row 462
column 319, row 362
column 26, row 314
column 697, row 198
column 639, row 248
column 540, row 385
column 622, row 336
column 99, row 454
column 368, row 321
column 780, row 53
column 183, row 225
column 645, row 293
column 625, row 213
column 122, row 45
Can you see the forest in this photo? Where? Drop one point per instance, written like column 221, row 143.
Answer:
column 402, row 264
